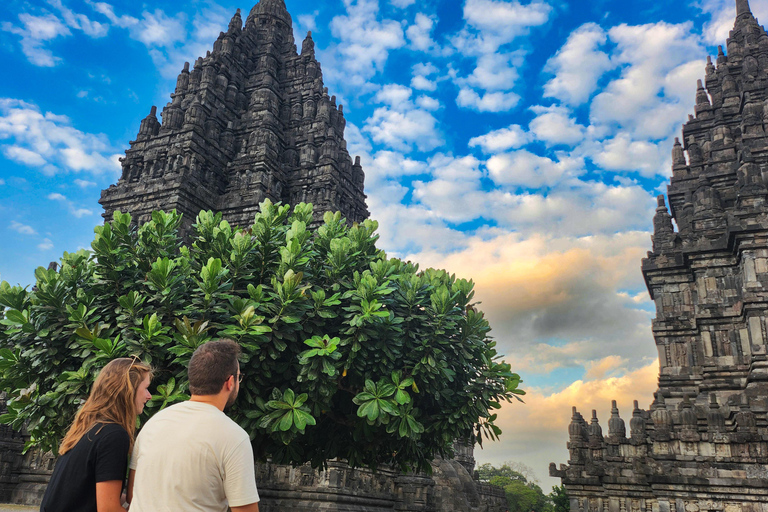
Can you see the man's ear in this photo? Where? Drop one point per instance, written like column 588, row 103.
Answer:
column 229, row 384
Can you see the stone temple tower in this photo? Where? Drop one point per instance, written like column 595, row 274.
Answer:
column 251, row 120
column 703, row 445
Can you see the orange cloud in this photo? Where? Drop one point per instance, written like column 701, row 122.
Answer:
column 536, row 433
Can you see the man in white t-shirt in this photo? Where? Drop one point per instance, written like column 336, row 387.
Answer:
column 191, row 456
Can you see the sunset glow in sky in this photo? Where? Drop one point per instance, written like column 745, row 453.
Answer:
column 517, row 143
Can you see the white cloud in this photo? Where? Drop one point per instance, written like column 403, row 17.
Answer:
column 393, row 95
column 578, row 65
column 488, row 102
column 22, row 228
column 404, row 129
column 420, row 33
column 492, row 23
column 363, row 47
column 554, row 125
column 80, row 21
column 402, row 4
column 526, row 169
column 423, row 83
column 49, row 141
column 495, row 71
column 420, row 80
column 24, row 156
column 2, row 182
column 503, row 139
column 722, row 13
column 642, row 100
column 73, row 209
column 84, row 183
column 35, row 32
column 403, row 125
column 45, row 245
column 308, row 21
column 622, row 153
column 427, row 103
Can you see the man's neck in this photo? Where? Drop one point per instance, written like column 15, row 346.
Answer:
column 218, row 401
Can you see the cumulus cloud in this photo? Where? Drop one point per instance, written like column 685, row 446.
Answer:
column 622, row 153
column 495, row 72
column 502, row 139
column 79, row 21
column 574, row 208
column 84, row 183
column 402, row 125
column 536, row 433
column 554, row 125
column 48, row 141
column 420, row 33
column 526, row 169
column 35, row 32
column 168, row 39
column 578, row 65
column 493, row 23
column 70, row 205
column 567, row 309
column 45, row 245
column 24, row 229
column 421, row 77
column 364, row 43
column 487, row 102
column 647, row 100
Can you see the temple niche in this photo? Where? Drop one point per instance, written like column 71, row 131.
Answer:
column 703, row 443
column 250, row 120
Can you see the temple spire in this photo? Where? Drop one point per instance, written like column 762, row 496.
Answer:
column 742, row 7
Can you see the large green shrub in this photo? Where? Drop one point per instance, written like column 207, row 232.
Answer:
column 346, row 353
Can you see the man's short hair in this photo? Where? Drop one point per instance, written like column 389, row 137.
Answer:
column 211, row 365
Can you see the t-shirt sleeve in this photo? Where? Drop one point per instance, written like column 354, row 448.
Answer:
column 111, row 452
column 135, row 453
column 240, row 475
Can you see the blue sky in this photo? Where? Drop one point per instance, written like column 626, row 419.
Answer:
column 517, row 143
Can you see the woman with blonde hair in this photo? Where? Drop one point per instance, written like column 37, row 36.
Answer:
column 93, row 457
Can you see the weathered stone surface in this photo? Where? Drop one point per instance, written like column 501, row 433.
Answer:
column 703, row 445
column 251, row 120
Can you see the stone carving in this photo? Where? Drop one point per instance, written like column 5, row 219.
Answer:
column 256, row 93
column 703, row 445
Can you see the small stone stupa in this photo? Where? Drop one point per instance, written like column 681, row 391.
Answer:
column 703, row 445
column 250, row 121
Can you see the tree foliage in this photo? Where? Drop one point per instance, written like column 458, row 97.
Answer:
column 560, row 500
column 523, row 492
column 346, row 353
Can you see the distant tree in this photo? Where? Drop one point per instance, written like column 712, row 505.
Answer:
column 523, row 493
column 347, row 353
column 560, row 499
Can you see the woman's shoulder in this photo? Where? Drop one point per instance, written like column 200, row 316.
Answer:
column 108, row 430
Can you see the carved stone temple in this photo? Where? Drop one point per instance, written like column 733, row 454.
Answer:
column 251, row 120
column 703, row 445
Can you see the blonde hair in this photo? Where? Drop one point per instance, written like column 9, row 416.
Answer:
column 112, row 400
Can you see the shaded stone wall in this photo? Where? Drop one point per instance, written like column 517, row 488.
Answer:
column 702, row 445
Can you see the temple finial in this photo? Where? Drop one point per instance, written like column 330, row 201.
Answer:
column 742, row 7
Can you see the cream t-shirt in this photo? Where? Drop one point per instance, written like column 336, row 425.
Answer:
column 192, row 457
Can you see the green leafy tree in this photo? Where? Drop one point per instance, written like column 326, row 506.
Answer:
column 523, row 492
column 346, row 353
column 560, row 499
